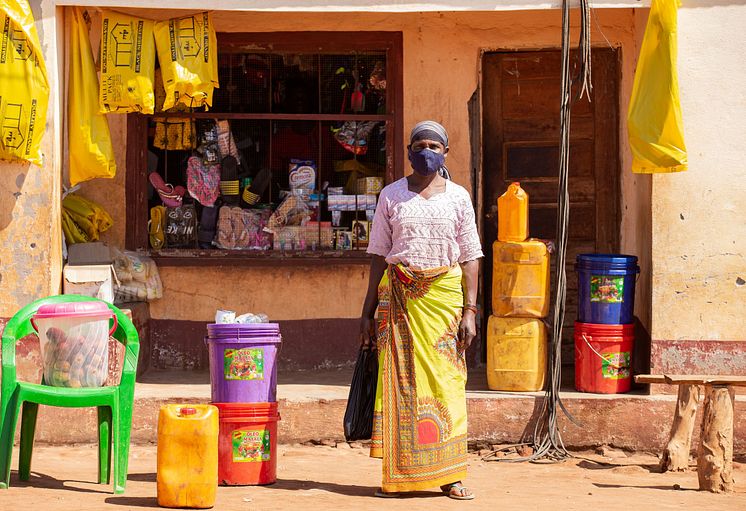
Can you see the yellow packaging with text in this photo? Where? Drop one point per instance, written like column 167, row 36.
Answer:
column 187, row 52
column 127, row 64
column 23, row 104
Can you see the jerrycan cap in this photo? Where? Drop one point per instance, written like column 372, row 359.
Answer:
column 187, row 410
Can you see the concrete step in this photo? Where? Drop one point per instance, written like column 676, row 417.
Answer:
column 312, row 405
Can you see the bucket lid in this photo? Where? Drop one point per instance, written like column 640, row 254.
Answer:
column 249, row 328
column 73, row 309
column 233, row 332
column 615, row 259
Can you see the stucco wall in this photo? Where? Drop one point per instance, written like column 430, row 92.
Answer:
column 30, row 232
column 699, row 217
column 442, row 53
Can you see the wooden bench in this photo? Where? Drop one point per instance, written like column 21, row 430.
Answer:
column 715, row 451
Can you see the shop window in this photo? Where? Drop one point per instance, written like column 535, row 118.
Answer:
column 303, row 132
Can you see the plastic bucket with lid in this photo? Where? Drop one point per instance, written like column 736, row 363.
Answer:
column 74, row 340
column 243, row 362
column 603, row 356
column 606, row 288
column 247, row 443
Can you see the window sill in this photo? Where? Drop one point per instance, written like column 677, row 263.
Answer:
column 215, row 257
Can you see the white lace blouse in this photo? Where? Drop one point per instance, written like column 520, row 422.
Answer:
column 424, row 233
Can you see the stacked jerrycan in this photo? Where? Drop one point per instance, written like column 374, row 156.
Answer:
column 516, row 334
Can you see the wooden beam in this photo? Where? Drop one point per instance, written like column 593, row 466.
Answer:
column 692, row 379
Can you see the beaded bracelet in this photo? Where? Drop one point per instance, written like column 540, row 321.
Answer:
column 471, row 307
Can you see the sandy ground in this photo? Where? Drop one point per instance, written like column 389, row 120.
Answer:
column 326, row 478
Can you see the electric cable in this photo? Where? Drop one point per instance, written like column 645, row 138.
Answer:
column 547, row 442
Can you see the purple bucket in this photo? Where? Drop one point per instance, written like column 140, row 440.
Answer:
column 242, row 362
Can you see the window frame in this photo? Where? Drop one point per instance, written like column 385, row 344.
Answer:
column 137, row 215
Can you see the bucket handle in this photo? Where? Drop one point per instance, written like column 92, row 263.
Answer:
column 617, row 367
column 114, row 326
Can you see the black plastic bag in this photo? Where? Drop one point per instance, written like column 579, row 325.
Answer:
column 358, row 421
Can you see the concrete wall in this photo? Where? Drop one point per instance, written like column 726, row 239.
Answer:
column 30, row 231
column 699, row 217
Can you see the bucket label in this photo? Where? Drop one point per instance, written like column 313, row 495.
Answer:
column 250, row 445
column 615, row 366
column 243, row 364
column 605, row 289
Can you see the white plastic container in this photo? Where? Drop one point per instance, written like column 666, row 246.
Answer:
column 74, row 339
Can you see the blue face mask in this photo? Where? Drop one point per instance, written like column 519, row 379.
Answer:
column 426, row 162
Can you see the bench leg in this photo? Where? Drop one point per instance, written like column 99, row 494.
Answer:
column 675, row 456
column 715, row 453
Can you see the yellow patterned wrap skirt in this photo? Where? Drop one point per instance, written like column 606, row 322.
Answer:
column 419, row 424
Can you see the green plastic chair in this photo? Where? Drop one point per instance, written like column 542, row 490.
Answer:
column 114, row 404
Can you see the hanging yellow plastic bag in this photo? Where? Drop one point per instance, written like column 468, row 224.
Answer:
column 127, row 64
column 91, row 152
column 654, row 120
column 25, row 90
column 187, row 52
column 172, row 133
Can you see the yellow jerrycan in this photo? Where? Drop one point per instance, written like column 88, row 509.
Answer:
column 520, row 279
column 187, row 456
column 516, row 354
column 512, row 214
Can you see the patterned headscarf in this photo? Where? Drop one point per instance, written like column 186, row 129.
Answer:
column 431, row 130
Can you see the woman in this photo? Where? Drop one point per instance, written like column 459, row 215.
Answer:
column 423, row 280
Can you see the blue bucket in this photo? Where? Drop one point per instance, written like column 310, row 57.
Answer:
column 606, row 288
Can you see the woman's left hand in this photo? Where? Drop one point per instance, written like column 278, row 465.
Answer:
column 467, row 330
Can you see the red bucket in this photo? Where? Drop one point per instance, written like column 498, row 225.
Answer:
column 603, row 356
column 247, row 443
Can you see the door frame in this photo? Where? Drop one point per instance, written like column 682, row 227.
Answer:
column 612, row 230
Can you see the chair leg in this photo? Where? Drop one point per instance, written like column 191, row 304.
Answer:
column 6, row 439
column 28, row 427
column 104, row 444
column 123, row 425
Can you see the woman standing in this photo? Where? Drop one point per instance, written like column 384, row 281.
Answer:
column 423, row 280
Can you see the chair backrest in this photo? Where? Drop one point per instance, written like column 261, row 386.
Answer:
column 20, row 326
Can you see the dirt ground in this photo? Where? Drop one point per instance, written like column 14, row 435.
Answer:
column 327, row 478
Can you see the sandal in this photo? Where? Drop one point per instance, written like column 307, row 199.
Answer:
column 385, row 495
column 170, row 195
column 461, row 492
column 157, row 227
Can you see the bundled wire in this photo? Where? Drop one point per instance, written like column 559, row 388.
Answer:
column 547, row 440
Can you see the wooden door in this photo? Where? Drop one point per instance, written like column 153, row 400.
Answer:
column 521, row 100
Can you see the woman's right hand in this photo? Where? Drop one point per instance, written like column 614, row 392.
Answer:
column 367, row 332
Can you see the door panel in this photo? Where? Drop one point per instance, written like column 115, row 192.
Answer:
column 521, row 143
